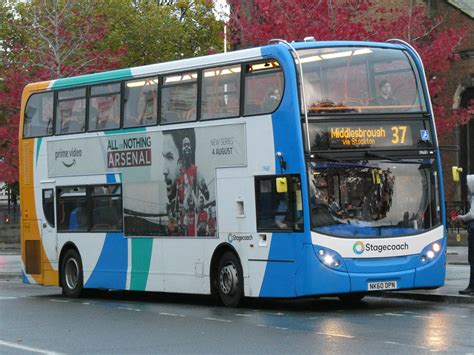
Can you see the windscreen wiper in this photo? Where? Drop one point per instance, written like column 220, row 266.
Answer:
column 378, row 155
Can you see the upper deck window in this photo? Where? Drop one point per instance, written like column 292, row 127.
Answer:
column 220, row 93
column 360, row 80
column 104, row 109
column 141, row 102
column 179, row 98
column 263, row 87
column 39, row 116
column 71, row 111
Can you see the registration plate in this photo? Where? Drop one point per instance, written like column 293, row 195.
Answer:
column 384, row 285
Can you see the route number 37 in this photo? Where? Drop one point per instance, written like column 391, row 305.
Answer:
column 399, row 134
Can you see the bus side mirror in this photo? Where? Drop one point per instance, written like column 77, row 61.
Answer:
column 456, row 170
column 281, row 185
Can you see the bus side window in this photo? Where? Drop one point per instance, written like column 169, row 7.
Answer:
column 72, row 209
column 263, row 88
column 278, row 211
column 104, row 111
column 220, row 93
column 71, row 111
column 48, row 206
column 141, row 102
column 179, row 98
column 107, row 213
column 39, row 116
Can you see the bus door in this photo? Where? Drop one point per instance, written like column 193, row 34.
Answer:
column 48, row 221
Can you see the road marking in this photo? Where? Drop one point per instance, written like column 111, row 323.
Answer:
column 336, row 335
column 395, row 314
column 277, row 314
column 423, row 317
column 172, row 314
column 409, row 345
column 448, row 315
column 243, row 315
column 60, row 301
column 7, row 298
column 86, row 303
column 219, row 320
column 27, row 348
column 130, row 309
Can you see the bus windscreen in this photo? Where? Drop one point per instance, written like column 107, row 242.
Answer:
column 340, row 80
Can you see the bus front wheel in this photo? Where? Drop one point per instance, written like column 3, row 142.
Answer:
column 71, row 274
column 230, row 280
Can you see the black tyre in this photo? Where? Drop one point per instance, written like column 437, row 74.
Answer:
column 72, row 278
column 230, row 281
column 352, row 298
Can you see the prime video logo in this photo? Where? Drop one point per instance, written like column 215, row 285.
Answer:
column 360, row 247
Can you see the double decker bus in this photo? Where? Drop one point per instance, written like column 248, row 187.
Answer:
column 289, row 170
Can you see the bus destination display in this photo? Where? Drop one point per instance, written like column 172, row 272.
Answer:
column 352, row 136
column 370, row 136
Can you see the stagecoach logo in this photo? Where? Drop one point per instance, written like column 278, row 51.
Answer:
column 128, row 152
column 68, row 157
column 238, row 237
column 358, row 248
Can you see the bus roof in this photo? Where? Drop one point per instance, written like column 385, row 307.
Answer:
column 199, row 62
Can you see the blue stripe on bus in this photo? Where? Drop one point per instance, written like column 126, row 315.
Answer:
column 279, row 279
column 24, row 278
column 111, row 179
column 111, row 268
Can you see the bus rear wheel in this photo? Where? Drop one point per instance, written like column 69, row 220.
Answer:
column 71, row 274
column 230, row 280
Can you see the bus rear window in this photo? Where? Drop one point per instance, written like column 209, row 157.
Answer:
column 39, row 116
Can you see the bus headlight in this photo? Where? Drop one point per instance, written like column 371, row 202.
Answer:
column 329, row 258
column 431, row 252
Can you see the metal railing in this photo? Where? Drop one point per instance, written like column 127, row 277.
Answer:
column 9, row 214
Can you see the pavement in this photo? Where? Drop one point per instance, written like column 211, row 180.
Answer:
column 457, row 276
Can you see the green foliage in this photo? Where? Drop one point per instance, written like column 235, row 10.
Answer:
column 158, row 31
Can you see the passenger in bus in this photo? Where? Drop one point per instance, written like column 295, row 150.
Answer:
column 385, row 98
column 282, row 209
column 271, row 100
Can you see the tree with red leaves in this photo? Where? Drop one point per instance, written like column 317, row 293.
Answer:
column 44, row 40
column 255, row 22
